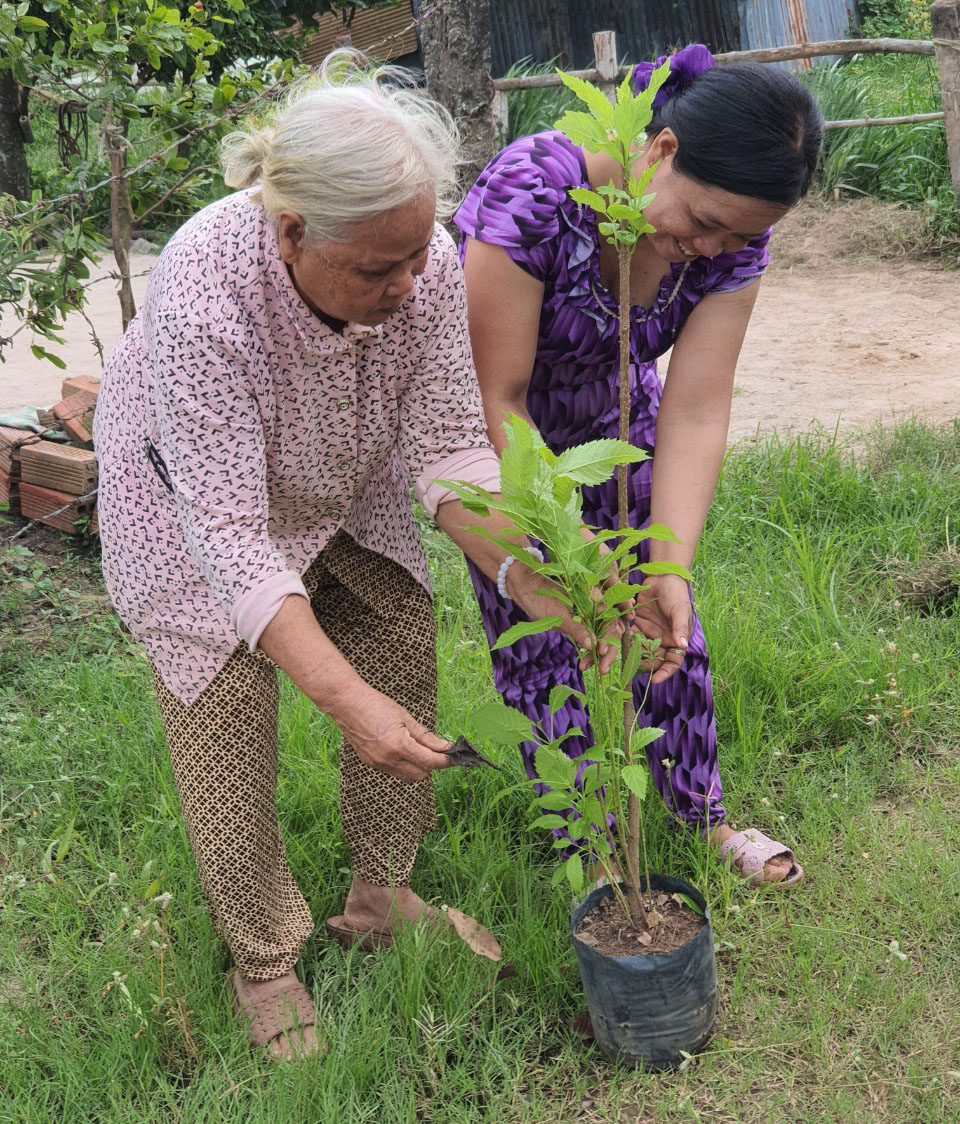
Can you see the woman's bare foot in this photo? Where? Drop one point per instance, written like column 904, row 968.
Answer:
column 279, row 1014
column 383, row 908
column 774, row 870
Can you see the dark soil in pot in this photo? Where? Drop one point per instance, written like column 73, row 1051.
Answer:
column 673, row 923
column 648, row 1008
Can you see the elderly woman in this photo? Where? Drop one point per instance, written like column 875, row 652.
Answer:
column 300, row 361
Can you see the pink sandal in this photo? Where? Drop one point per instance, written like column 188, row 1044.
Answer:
column 749, row 851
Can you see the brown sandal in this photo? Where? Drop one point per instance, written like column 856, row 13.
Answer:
column 478, row 939
column 284, row 1010
column 349, row 937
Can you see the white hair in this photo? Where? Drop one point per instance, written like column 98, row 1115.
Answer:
column 348, row 144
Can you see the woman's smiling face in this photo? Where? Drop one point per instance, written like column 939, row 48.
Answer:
column 693, row 220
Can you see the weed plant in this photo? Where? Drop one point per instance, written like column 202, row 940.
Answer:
column 838, row 713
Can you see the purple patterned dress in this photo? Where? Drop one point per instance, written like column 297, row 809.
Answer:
column 521, row 202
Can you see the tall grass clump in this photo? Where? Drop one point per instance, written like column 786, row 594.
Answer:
column 533, row 111
column 905, row 164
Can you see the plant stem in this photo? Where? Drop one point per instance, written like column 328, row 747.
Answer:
column 636, row 912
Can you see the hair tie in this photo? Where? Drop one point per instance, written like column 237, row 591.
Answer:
column 685, row 66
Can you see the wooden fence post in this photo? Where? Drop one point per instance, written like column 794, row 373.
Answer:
column 945, row 28
column 500, row 106
column 605, row 53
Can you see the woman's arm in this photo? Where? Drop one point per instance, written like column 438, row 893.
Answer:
column 691, row 440
column 503, row 311
column 384, row 735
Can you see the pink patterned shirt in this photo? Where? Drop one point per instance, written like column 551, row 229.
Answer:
column 275, row 430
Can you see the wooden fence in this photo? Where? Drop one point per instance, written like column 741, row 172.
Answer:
column 944, row 46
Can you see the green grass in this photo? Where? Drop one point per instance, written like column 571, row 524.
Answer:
column 837, row 710
column 904, row 164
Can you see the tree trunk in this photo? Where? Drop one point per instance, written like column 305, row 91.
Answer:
column 456, row 53
column 121, row 211
column 14, row 174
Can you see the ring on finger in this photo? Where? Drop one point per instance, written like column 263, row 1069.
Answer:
column 677, row 651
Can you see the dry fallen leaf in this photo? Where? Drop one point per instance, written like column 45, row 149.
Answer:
column 464, row 754
column 473, row 934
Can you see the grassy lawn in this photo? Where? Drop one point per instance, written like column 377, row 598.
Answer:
column 838, row 708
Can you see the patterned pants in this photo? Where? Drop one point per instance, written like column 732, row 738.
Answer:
column 224, row 753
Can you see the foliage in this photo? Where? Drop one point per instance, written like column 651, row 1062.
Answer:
column 157, row 87
column 899, row 19
column 541, row 496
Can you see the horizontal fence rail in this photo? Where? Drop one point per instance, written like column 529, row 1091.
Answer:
column 763, row 54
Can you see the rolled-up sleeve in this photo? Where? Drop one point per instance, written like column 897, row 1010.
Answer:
column 211, row 435
column 443, row 431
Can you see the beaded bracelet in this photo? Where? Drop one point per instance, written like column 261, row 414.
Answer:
column 505, row 566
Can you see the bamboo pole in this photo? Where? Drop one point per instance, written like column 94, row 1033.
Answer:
column 866, row 122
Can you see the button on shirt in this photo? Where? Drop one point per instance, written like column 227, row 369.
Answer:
column 276, row 431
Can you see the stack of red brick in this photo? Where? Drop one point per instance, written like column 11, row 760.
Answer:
column 53, row 482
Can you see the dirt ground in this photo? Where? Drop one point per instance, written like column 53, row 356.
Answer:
column 852, row 326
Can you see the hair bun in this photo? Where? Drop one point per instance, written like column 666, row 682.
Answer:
column 685, row 66
column 243, row 155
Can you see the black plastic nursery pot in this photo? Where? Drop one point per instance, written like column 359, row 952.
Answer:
column 650, row 1011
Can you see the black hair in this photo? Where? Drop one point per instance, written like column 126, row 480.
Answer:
column 746, row 128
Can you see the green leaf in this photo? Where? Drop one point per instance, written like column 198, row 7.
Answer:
column 548, row 823
column 554, row 768
column 594, row 462
column 624, row 213
column 584, row 130
column 555, row 800
column 666, row 568
column 658, row 532
column 501, row 724
column 686, row 900
column 31, row 23
column 631, row 665
column 590, row 198
column 593, row 780
column 601, row 108
column 620, row 591
column 42, row 353
column 593, row 812
column 560, row 694
column 526, row 628
column 635, row 777
column 574, row 871
column 641, row 737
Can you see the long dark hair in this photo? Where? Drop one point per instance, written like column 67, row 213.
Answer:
column 745, row 128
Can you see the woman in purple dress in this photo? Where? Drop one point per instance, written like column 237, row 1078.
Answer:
column 736, row 148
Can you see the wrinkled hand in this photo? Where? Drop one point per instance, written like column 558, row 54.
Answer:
column 389, row 739
column 523, row 585
column 662, row 612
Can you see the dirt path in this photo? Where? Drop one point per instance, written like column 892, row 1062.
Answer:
column 838, row 337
